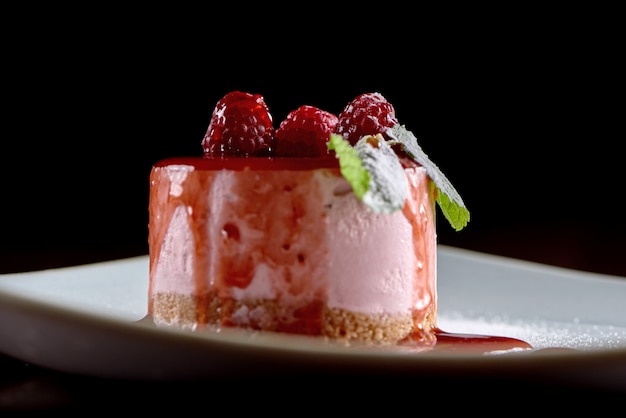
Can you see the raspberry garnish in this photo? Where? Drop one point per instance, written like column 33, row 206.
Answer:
column 367, row 114
column 241, row 125
column 304, row 133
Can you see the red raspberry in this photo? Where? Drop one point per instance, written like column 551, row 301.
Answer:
column 304, row 133
column 241, row 125
column 367, row 114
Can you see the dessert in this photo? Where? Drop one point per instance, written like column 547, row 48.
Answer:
column 324, row 225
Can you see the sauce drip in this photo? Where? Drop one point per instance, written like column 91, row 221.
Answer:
column 476, row 343
column 448, row 342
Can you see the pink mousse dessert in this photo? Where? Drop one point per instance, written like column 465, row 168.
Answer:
column 324, row 226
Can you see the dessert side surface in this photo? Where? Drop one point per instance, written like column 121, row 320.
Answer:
column 324, row 226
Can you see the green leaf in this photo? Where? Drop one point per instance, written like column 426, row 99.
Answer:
column 447, row 197
column 350, row 165
column 373, row 170
column 375, row 173
column 388, row 185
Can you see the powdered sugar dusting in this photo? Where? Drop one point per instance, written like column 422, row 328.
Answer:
column 539, row 333
column 388, row 186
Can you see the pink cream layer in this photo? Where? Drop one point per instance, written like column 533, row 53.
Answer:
column 289, row 230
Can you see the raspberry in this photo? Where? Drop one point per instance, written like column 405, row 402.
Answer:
column 367, row 114
column 241, row 125
column 304, row 133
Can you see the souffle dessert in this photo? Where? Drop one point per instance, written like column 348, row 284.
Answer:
column 323, row 226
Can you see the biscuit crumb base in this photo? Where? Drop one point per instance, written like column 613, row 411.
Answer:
column 365, row 328
column 174, row 309
column 339, row 324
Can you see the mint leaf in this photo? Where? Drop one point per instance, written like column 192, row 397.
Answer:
column 350, row 165
column 447, row 197
column 375, row 173
column 373, row 170
column 388, row 186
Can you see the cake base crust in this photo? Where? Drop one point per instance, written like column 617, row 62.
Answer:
column 171, row 309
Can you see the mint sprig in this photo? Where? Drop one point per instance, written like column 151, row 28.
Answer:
column 375, row 173
column 447, row 197
column 388, row 186
column 350, row 165
column 373, row 170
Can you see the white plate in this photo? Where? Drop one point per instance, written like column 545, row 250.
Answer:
column 88, row 320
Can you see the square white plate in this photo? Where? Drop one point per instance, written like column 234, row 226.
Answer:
column 89, row 320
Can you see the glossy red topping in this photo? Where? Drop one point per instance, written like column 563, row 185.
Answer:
column 304, row 133
column 367, row 114
column 241, row 125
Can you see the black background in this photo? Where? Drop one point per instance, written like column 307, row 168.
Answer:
column 519, row 112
